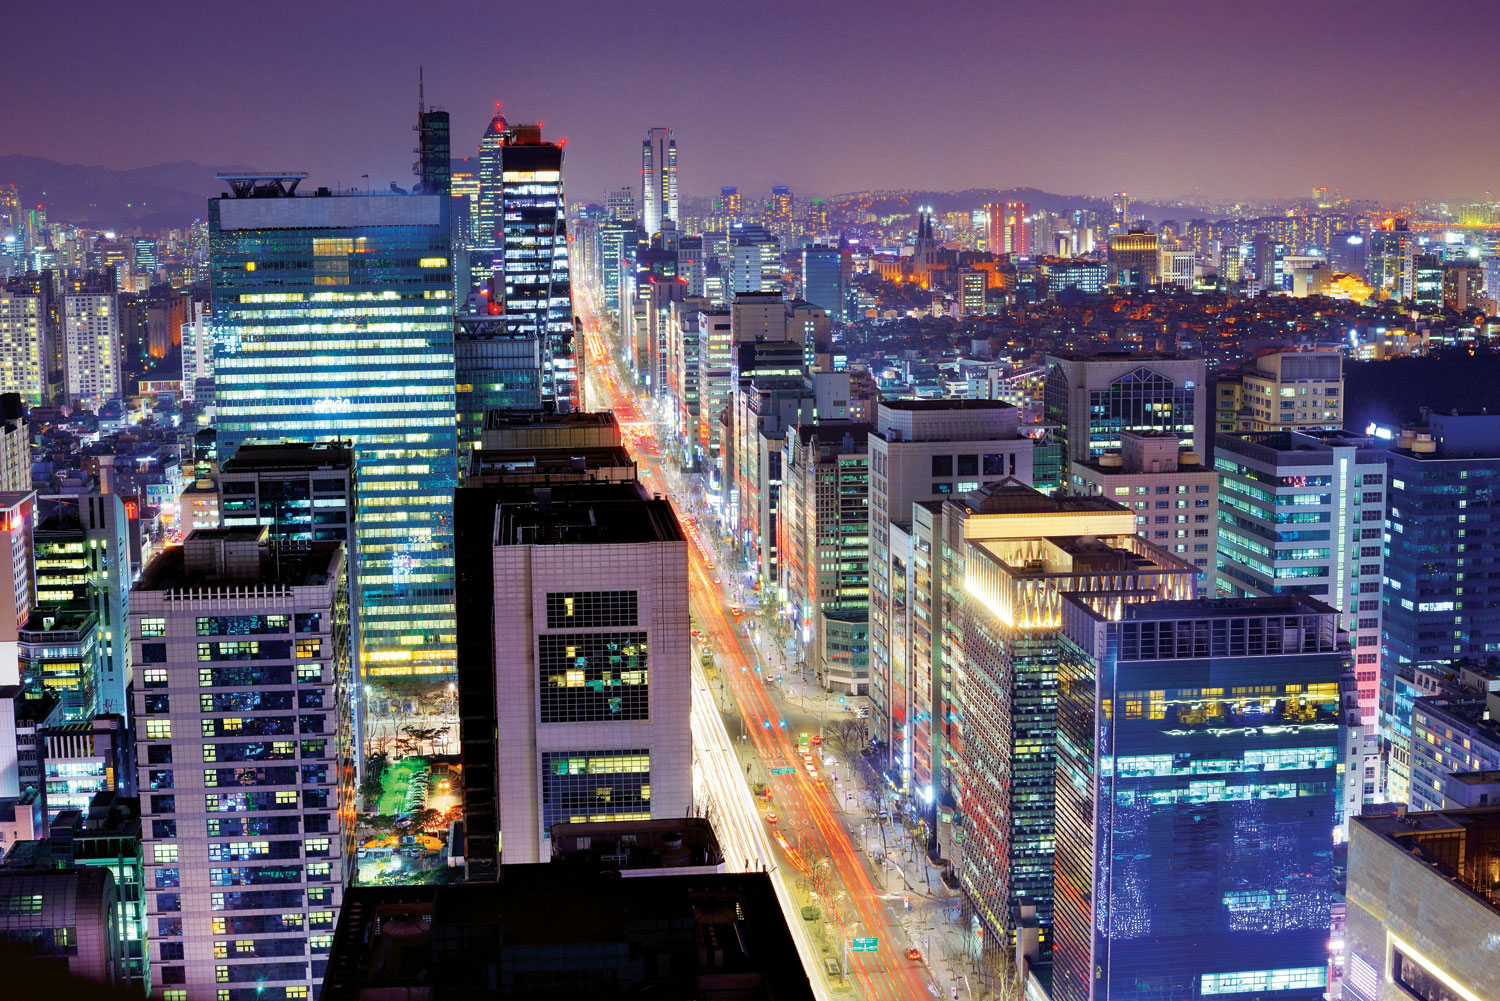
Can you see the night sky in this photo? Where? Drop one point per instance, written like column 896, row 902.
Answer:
column 1378, row 99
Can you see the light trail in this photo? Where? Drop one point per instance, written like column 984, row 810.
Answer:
column 810, row 829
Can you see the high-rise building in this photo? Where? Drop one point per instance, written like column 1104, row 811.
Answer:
column 23, row 336
column 1303, row 514
column 489, row 212
column 1463, row 286
column 334, row 320
column 576, row 710
column 823, row 278
column 1134, row 259
column 1017, row 552
column 1119, row 211
column 1423, row 908
column 972, row 288
column 15, row 444
column 91, row 332
column 83, row 566
column 1284, row 391
column 780, row 211
column 1197, row 788
column 1174, row 493
column 1017, row 228
column 824, row 555
column 1439, row 517
column 921, row 450
column 1427, row 281
column 658, row 180
column 619, row 205
column 17, row 577
column 1090, row 399
column 1392, row 260
column 754, row 260
column 299, row 491
column 716, row 385
column 246, row 760
column 498, row 366
column 532, row 270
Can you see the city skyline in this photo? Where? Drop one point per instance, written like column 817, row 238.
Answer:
column 1049, row 114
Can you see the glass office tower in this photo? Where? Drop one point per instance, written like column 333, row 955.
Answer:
column 1196, row 799
column 334, row 320
column 533, row 267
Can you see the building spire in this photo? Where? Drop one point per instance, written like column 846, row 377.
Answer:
column 421, row 92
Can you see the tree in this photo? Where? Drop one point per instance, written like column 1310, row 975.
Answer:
column 427, row 819
column 847, row 735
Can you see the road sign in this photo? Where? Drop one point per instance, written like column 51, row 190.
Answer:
column 863, row 944
column 783, row 771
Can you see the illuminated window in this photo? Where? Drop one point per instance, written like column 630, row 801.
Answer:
column 164, row 853
column 158, row 728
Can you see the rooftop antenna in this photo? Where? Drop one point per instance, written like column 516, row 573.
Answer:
column 421, row 92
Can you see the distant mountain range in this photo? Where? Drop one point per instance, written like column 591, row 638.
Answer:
column 164, row 196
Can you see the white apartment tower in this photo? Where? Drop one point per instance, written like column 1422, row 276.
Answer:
column 658, row 179
column 91, row 336
column 23, row 328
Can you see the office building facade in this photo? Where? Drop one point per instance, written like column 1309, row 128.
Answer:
column 658, row 180
column 824, row 557
column 1173, row 492
column 1423, row 911
column 1437, row 551
column 921, row 450
column 334, row 318
column 1018, row 553
column 1197, row 790
column 245, row 761
column 574, row 663
column 1090, row 399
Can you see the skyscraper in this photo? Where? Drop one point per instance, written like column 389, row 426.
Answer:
column 1392, row 260
column 334, row 319
column 658, row 179
column 921, row 450
column 23, row 334
column 1017, row 228
column 1197, row 762
column 1013, row 554
column 1439, row 525
column 246, row 764
column 91, row 331
column 532, row 270
column 823, row 278
column 488, row 213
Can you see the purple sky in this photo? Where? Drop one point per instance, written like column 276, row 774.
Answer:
column 1262, row 98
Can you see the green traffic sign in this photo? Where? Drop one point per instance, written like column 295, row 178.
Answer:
column 863, row 944
column 782, row 771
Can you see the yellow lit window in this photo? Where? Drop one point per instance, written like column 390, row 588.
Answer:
column 158, row 728
column 164, row 853
column 433, row 262
column 221, row 950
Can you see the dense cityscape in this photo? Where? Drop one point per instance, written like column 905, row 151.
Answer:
column 470, row 584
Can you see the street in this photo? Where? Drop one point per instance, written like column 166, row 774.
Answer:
column 847, row 880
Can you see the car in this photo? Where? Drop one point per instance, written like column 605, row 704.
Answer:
column 717, row 581
column 736, row 610
column 915, row 955
column 807, row 759
column 771, row 818
column 817, row 738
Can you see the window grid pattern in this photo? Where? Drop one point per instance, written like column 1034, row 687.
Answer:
column 593, row 677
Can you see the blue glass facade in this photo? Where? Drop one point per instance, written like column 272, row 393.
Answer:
column 1442, row 569
column 334, row 319
column 822, row 279
column 1197, row 795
